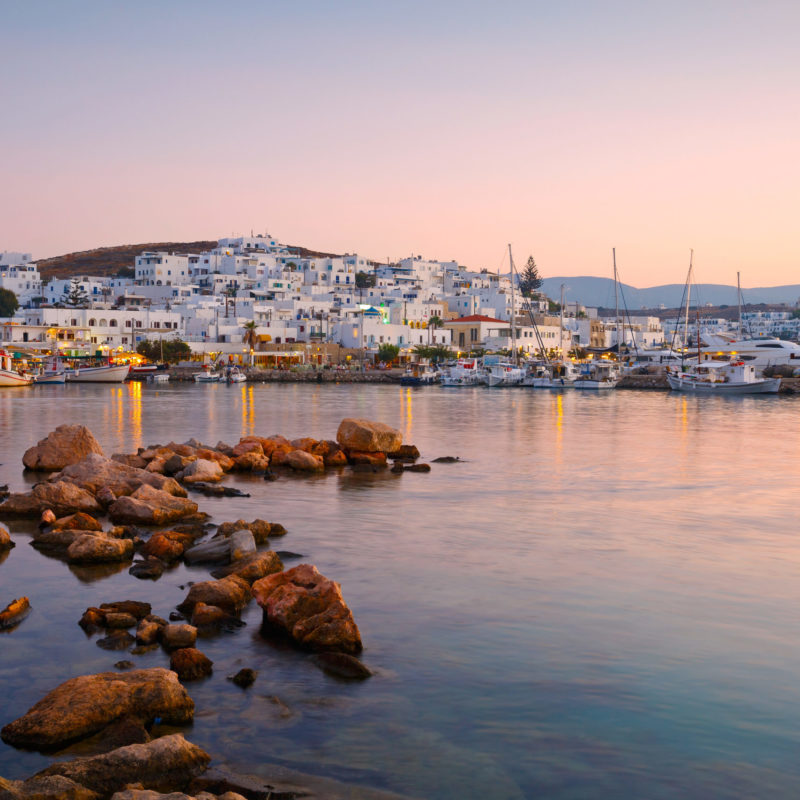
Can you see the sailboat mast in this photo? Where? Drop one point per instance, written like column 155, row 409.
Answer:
column 561, row 326
column 739, row 302
column 616, row 302
column 688, row 300
column 513, row 306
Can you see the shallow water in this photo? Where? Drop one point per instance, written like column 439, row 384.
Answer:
column 600, row 601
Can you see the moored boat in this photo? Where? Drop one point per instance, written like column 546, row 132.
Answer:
column 234, row 375
column 722, row 378
column 10, row 376
column 505, row 373
column 208, row 375
column 106, row 373
column 465, row 372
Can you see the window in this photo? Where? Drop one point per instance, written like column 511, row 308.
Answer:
column 127, row 323
column 92, row 322
column 138, row 323
column 112, row 323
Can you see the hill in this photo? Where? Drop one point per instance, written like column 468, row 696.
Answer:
column 108, row 261
column 593, row 291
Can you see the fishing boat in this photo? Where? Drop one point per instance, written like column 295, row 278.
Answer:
column 158, row 377
column 52, row 372
column 722, row 378
column 105, row 373
column 10, row 376
column 421, row 374
column 504, row 373
column 235, row 375
column 465, row 372
column 597, row 377
column 553, row 375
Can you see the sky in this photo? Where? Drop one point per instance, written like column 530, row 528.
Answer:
column 441, row 129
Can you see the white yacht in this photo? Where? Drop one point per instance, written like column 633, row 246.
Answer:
column 760, row 353
column 722, row 378
column 465, row 372
column 505, row 373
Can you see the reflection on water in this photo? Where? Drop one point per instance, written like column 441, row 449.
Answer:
column 599, row 601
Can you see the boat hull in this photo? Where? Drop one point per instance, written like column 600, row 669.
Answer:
column 690, row 386
column 113, row 374
column 58, row 378
column 594, row 385
column 11, row 378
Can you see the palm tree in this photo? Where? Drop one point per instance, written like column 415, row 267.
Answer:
column 433, row 322
column 250, row 337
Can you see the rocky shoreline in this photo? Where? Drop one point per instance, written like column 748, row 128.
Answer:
column 134, row 508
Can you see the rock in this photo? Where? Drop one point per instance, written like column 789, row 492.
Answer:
column 95, row 549
column 190, row 664
column 417, row 468
column 93, row 620
column 276, row 529
column 446, row 460
column 175, row 463
column 14, row 613
column 58, row 542
column 121, row 732
column 231, row 594
column 116, row 640
column 151, row 568
column 258, row 527
column 84, row 705
column 48, row 517
column 252, row 567
column 105, row 496
column 242, row 544
column 6, row 542
column 174, row 637
column 215, row 551
column 211, row 490
column 54, row 787
column 207, row 618
column 304, row 462
column 62, row 498
column 244, row 677
column 148, row 506
column 138, row 609
column 65, row 445
column 164, row 764
column 201, row 471
column 398, row 467
column 148, row 632
column 124, row 664
column 366, row 436
column 309, row 608
column 129, row 460
column 363, row 457
column 94, row 473
column 335, row 458
column 280, row 454
column 251, row 462
column 342, row 665
column 247, row 446
column 76, row 522
column 407, row 451
column 121, row 621
column 167, row 546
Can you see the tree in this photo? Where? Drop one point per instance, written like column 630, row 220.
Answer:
column 174, row 350
column 529, row 281
column 434, row 354
column 365, row 280
column 388, row 352
column 8, row 303
column 250, row 337
column 75, row 294
column 433, row 323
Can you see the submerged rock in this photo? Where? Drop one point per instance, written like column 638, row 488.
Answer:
column 342, row 665
column 65, row 445
column 244, row 678
column 310, row 608
column 6, row 542
column 174, row 637
column 190, row 664
column 252, row 567
column 84, row 705
column 14, row 613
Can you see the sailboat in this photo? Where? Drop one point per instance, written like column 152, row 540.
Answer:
column 508, row 373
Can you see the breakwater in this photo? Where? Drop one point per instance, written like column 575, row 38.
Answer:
column 255, row 375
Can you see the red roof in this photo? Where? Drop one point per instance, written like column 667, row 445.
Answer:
column 478, row 318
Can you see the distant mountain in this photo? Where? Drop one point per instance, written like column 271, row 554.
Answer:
column 591, row 291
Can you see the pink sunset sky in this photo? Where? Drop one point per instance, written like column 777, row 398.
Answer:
column 440, row 129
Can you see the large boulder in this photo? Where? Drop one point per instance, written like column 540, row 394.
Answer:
column 94, row 548
column 61, row 447
column 149, row 506
column 369, row 437
column 164, row 764
column 309, row 608
column 302, row 461
column 53, row 787
column 95, row 472
column 84, row 705
column 231, row 594
column 201, row 471
column 62, row 498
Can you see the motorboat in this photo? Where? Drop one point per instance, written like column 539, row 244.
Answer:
column 10, row 376
column 760, row 353
column 51, row 372
column 105, row 373
column 158, row 377
column 208, row 375
column 465, row 372
column 597, row 377
column 420, row 375
column 235, row 375
column 722, row 378
column 505, row 373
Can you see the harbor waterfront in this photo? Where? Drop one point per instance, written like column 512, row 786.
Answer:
column 599, row 600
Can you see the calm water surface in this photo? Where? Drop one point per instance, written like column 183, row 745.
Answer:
column 602, row 601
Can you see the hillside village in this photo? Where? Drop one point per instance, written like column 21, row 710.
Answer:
column 293, row 306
